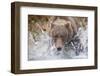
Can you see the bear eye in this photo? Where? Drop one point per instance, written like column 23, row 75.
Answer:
column 56, row 36
column 44, row 29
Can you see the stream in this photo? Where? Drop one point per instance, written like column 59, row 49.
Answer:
column 44, row 49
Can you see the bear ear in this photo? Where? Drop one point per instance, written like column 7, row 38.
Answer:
column 68, row 24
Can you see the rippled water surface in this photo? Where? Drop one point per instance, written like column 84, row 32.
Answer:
column 43, row 48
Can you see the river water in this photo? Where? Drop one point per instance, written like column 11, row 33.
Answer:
column 44, row 49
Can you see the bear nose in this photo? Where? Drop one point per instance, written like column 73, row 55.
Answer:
column 59, row 49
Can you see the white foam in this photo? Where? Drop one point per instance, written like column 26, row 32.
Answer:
column 43, row 48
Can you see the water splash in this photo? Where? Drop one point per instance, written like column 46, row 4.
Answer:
column 43, row 48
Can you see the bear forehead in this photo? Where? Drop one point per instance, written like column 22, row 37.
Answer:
column 60, row 22
column 59, row 30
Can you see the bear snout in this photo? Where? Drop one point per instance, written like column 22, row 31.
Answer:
column 59, row 44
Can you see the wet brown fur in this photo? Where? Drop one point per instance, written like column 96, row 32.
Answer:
column 62, row 30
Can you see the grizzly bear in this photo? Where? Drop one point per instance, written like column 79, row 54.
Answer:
column 63, row 30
